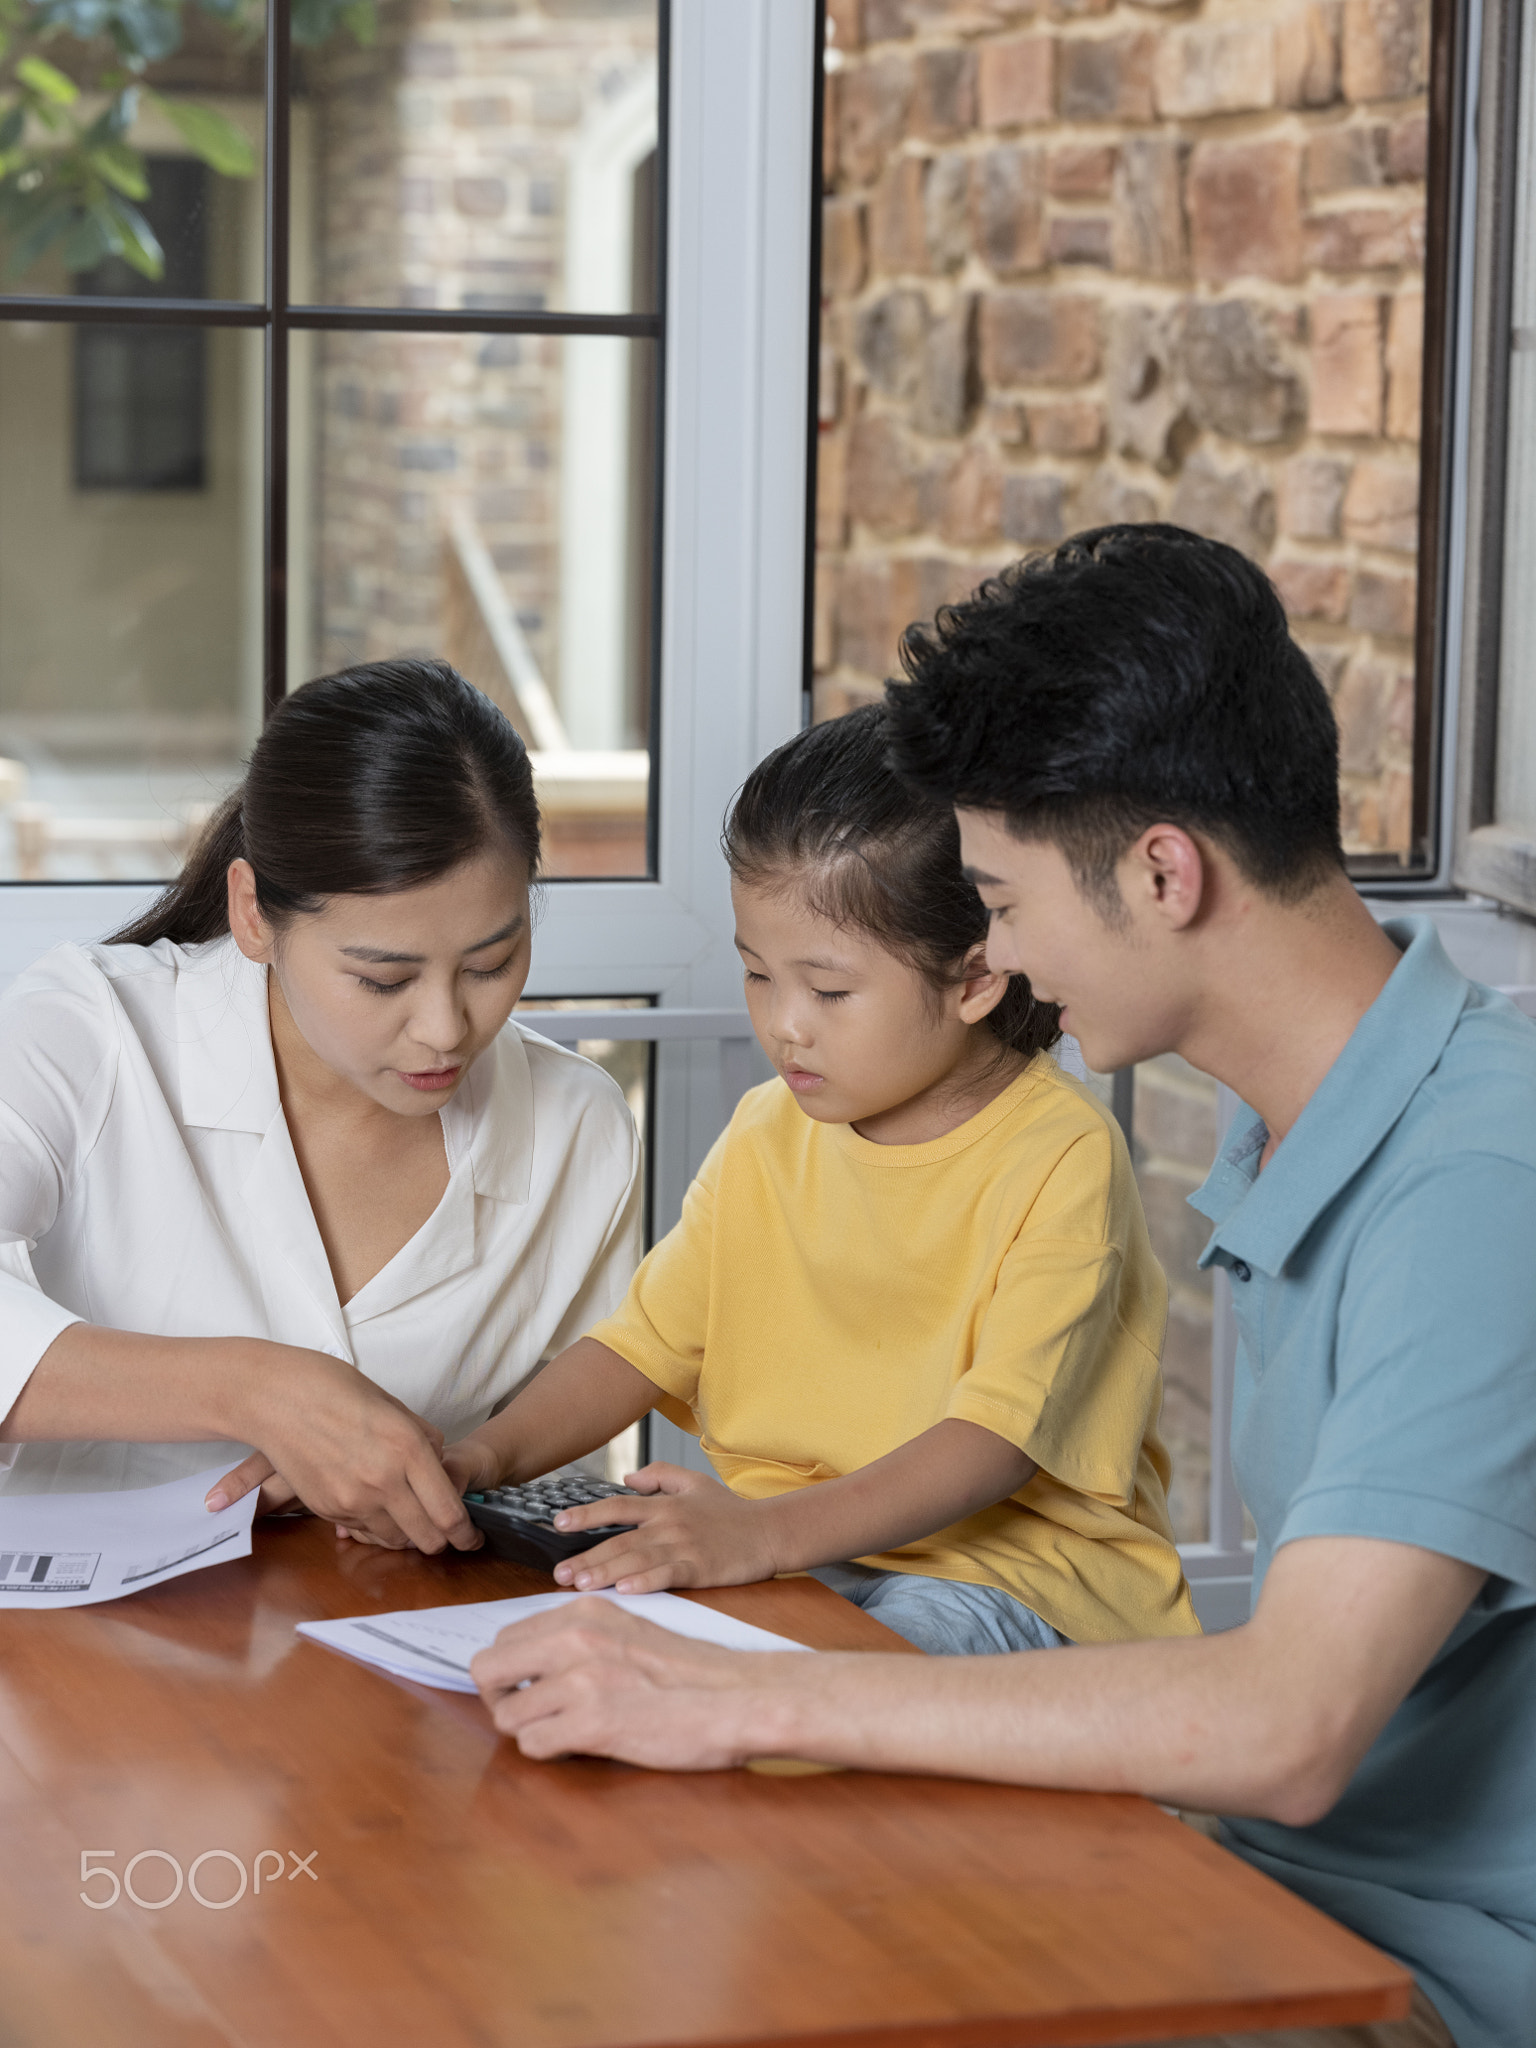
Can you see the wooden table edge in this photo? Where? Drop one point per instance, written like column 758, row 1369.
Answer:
column 1103, row 2026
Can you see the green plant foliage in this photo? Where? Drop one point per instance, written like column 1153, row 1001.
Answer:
column 68, row 184
column 209, row 135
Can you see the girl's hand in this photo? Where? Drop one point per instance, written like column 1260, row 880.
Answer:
column 695, row 1532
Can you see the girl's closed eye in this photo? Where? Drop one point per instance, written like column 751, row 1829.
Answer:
column 832, row 995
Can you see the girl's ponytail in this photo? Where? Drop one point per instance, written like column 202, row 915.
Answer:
column 196, row 905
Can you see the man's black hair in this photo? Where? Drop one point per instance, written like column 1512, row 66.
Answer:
column 1136, row 675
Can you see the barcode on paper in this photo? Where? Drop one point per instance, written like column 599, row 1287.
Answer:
column 58, row 1571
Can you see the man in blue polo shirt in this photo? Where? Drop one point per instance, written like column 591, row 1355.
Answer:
column 1382, row 1271
column 1145, row 771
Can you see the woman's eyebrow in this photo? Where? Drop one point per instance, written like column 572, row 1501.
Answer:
column 377, row 956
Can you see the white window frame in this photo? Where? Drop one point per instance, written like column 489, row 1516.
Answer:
column 1494, row 858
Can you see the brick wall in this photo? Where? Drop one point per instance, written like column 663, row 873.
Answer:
column 1129, row 259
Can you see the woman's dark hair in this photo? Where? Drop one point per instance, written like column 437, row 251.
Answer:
column 1135, row 675
column 379, row 778
column 826, row 814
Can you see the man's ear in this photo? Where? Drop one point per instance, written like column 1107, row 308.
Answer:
column 1164, row 873
column 248, row 928
column 982, row 990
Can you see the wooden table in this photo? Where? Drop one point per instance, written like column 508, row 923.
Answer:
column 458, row 1896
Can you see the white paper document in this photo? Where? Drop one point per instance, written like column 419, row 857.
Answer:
column 433, row 1645
column 70, row 1549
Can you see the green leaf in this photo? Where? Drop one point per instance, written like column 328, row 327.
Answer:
column 135, row 238
column 47, row 83
column 121, row 167
column 314, row 21
column 47, row 225
column 216, row 140
column 145, row 30
column 88, row 241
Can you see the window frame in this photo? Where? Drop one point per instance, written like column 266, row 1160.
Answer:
column 1454, row 58
column 278, row 318
column 1491, row 859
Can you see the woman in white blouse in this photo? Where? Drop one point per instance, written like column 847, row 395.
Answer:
column 276, row 1167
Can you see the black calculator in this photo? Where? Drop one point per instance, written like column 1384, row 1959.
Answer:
column 519, row 1521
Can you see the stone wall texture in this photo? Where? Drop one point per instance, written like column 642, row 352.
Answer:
column 1088, row 260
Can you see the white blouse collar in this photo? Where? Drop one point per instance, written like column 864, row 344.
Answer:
column 224, row 1040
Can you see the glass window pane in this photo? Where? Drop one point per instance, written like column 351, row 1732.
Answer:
column 489, row 499
column 181, row 214
column 490, row 156
column 130, row 591
column 1174, row 1132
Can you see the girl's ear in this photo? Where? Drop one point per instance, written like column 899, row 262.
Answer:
column 981, row 990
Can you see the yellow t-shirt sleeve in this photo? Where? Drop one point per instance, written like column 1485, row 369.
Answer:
column 662, row 1324
column 1055, row 1370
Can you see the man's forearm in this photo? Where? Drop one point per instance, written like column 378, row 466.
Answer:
column 117, row 1384
column 1270, row 1719
column 1172, row 1720
column 937, row 1479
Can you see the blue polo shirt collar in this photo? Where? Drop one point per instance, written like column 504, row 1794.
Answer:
column 1261, row 1219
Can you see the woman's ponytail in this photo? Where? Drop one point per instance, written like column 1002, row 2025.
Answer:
column 383, row 777
column 196, row 905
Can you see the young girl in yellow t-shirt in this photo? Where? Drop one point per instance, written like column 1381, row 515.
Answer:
column 910, row 1309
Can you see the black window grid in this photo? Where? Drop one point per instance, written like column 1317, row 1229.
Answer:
column 277, row 318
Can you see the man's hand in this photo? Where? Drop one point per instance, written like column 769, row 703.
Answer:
column 350, row 1452
column 694, row 1532
column 591, row 1680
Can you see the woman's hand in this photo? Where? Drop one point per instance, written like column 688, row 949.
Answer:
column 277, row 1497
column 350, row 1452
column 695, row 1532
column 472, row 1466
